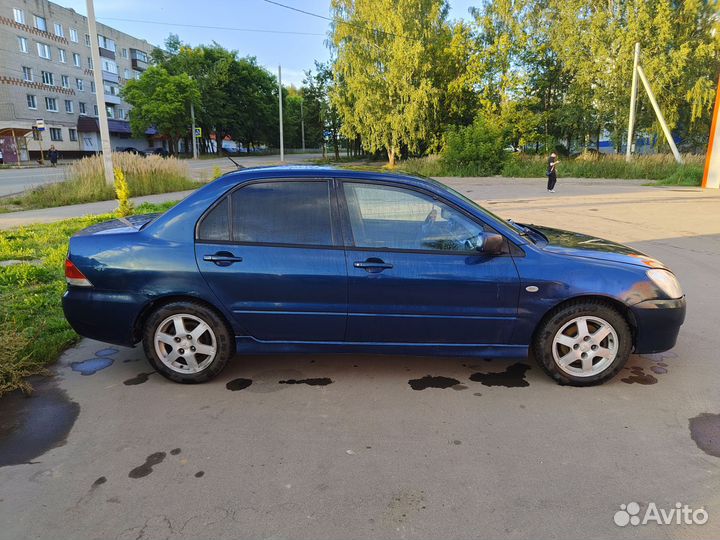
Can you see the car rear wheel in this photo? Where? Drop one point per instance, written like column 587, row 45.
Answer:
column 187, row 342
column 583, row 343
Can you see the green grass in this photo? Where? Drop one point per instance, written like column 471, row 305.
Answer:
column 86, row 183
column 661, row 168
column 33, row 329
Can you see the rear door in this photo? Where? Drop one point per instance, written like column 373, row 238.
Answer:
column 271, row 253
column 416, row 274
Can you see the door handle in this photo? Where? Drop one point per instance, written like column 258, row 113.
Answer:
column 373, row 265
column 222, row 258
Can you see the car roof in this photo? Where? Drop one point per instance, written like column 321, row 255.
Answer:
column 314, row 171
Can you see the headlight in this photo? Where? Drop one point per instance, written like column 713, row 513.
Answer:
column 667, row 282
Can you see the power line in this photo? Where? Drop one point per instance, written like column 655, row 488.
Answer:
column 257, row 30
column 333, row 20
column 300, row 10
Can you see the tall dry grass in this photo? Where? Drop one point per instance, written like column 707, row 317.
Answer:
column 86, row 181
column 659, row 167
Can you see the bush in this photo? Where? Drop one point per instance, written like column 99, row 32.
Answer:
column 86, row 181
column 477, row 149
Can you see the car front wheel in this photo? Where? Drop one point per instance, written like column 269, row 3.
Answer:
column 187, row 342
column 583, row 343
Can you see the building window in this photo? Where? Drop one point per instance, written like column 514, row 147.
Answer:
column 110, row 110
column 106, row 43
column 124, row 53
column 80, row 84
column 122, row 114
column 127, row 73
column 95, row 110
column 31, row 101
column 61, row 55
column 87, row 40
column 136, row 74
column 92, row 86
column 69, row 106
column 59, row 30
column 40, row 23
column 19, row 16
column 23, row 44
column 55, row 134
column 65, row 81
column 51, row 104
column 77, row 61
column 110, row 66
column 90, row 64
column 27, row 74
column 81, row 107
column 73, row 134
column 73, row 35
column 48, row 78
column 44, row 51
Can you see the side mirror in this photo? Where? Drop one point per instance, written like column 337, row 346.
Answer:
column 493, row 243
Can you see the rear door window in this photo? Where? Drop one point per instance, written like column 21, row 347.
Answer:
column 283, row 212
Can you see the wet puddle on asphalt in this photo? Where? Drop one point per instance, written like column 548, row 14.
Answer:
column 31, row 426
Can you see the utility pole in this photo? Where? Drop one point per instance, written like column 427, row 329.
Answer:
column 659, row 114
column 100, row 95
column 194, row 139
column 302, row 124
column 282, row 143
column 633, row 98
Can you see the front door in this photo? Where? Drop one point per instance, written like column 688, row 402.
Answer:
column 416, row 274
column 272, row 256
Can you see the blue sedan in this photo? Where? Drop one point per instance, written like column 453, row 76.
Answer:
column 315, row 259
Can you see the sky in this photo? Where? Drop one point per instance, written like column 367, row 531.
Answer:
column 295, row 50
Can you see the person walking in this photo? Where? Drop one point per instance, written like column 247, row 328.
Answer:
column 53, row 154
column 552, row 172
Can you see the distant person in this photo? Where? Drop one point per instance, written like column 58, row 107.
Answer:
column 552, row 172
column 53, row 154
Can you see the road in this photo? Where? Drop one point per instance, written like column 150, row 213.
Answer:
column 109, row 449
column 14, row 181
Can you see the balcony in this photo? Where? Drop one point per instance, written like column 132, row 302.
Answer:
column 139, row 60
column 112, row 99
column 107, row 53
column 110, row 77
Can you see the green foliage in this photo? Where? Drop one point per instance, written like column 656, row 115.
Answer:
column 33, row 329
column 122, row 190
column 385, row 88
column 217, row 172
column 478, row 148
column 161, row 100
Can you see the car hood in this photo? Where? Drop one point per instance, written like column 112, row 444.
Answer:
column 121, row 225
column 582, row 245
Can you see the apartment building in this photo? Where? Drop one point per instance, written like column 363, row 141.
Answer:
column 46, row 72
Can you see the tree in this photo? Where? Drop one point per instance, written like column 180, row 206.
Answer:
column 161, row 100
column 384, row 86
column 321, row 112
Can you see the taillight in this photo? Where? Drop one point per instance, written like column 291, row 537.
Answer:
column 75, row 277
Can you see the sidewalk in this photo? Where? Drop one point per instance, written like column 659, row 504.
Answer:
column 51, row 215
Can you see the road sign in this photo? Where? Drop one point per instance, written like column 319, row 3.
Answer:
column 40, row 124
column 198, row 133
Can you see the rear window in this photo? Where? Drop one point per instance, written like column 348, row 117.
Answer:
column 283, row 213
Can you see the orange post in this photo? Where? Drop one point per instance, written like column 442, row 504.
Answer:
column 711, row 175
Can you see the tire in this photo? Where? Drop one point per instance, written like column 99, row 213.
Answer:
column 187, row 342
column 583, row 343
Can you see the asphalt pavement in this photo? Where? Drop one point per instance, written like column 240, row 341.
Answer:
column 359, row 446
